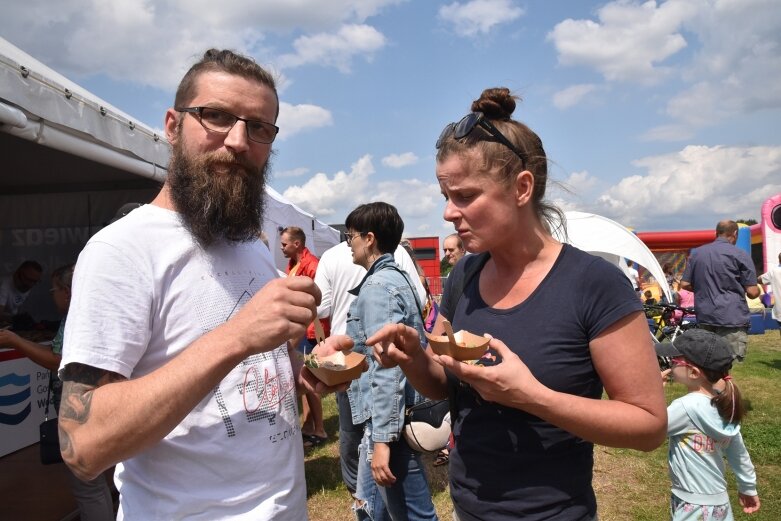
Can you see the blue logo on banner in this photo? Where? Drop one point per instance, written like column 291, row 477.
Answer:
column 10, row 402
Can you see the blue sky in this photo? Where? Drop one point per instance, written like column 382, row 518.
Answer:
column 660, row 115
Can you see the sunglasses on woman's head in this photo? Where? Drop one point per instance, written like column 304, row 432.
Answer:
column 468, row 124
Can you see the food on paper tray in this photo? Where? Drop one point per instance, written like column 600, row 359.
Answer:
column 337, row 368
column 465, row 345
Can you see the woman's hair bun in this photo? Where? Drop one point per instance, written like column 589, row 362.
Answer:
column 495, row 103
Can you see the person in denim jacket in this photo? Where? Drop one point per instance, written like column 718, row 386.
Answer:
column 391, row 481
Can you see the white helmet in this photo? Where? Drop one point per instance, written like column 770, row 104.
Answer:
column 424, row 437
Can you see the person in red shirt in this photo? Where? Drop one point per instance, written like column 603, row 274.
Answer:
column 301, row 262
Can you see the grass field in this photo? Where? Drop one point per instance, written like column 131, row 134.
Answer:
column 630, row 485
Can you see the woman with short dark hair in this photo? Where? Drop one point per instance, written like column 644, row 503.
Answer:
column 391, row 479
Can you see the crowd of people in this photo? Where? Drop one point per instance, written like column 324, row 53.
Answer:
column 182, row 355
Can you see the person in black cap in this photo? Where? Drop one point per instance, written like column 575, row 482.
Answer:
column 703, row 427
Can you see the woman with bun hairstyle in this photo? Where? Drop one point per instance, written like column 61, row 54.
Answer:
column 525, row 418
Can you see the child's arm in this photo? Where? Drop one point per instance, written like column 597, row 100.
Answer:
column 678, row 420
column 745, row 475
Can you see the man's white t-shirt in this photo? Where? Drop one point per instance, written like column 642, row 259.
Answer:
column 144, row 291
column 632, row 275
column 337, row 274
column 773, row 278
column 10, row 297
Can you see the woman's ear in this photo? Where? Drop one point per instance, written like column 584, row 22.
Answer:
column 524, row 187
column 371, row 240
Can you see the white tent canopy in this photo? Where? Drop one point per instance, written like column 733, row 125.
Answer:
column 40, row 105
column 281, row 213
column 612, row 241
column 70, row 160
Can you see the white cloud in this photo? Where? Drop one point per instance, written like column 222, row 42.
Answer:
column 281, row 80
column 332, row 198
column 400, row 160
column 335, row 49
column 294, row 119
column 327, row 197
column 580, row 181
column 287, row 15
column 479, row 16
column 295, row 172
column 421, row 212
column 698, row 186
column 153, row 42
column 628, row 42
column 738, row 65
column 139, row 40
column 733, row 64
column 573, row 192
column 573, row 95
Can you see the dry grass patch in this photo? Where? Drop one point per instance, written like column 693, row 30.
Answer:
column 630, row 485
column 328, row 499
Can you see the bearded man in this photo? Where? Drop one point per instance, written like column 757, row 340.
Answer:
column 177, row 366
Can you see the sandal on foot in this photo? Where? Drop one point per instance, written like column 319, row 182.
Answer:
column 313, row 440
column 442, row 458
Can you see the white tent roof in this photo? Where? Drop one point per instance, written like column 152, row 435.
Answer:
column 606, row 238
column 56, row 138
column 281, row 213
column 40, row 105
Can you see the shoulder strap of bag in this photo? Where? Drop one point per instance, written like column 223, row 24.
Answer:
column 48, row 397
column 414, row 291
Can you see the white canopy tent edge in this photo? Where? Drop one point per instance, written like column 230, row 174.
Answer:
column 608, row 239
column 48, row 108
column 40, row 106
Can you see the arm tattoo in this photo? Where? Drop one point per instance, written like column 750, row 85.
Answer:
column 79, row 381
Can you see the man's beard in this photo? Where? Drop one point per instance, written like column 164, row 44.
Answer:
column 218, row 194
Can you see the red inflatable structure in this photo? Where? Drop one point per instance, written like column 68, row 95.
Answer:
column 676, row 241
column 686, row 240
column 672, row 247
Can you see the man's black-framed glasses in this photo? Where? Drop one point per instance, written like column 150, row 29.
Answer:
column 220, row 121
column 468, row 124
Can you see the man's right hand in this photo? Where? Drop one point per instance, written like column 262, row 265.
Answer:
column 281, row 310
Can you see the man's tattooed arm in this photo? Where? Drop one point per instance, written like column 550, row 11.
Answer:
column 79, row 382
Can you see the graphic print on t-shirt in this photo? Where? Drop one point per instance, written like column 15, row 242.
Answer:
column 261, row 387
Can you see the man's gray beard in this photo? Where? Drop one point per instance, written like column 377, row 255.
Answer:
column 217, row 205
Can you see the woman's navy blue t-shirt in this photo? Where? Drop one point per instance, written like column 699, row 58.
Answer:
column 508, row 464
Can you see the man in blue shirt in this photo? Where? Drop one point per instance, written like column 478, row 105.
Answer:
column 721, row 275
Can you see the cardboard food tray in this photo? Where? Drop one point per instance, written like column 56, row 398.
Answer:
column 468, row 346
column 330, row 377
